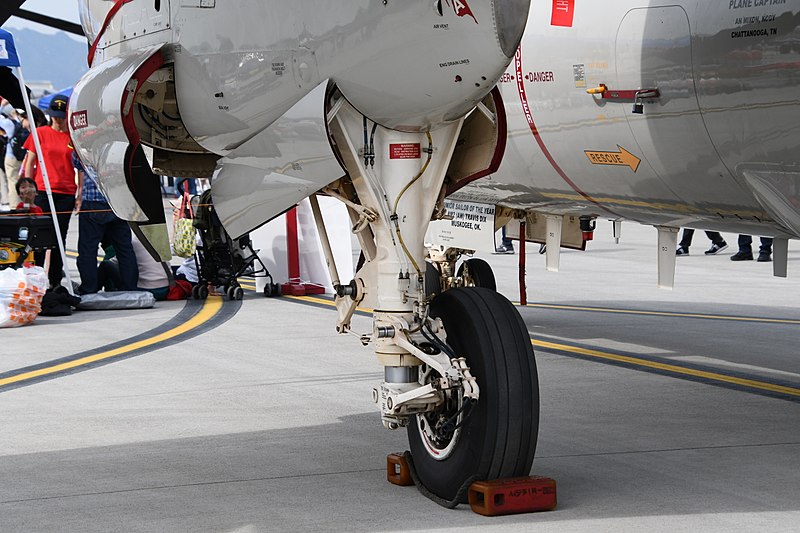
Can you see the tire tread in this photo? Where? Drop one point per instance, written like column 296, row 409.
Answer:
column 484, row 322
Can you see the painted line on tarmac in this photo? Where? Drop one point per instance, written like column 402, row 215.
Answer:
column 713, row 361
column 329, row 302
column 326, row 303
column 692, row 372
column 196, row 318
column 664, row 313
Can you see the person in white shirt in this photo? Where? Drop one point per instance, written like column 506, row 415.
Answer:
column 8, row 176
column 152, row 275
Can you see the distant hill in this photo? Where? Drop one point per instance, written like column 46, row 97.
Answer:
column 55, row 57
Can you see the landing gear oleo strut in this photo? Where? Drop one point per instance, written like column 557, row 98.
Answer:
column 459, row 370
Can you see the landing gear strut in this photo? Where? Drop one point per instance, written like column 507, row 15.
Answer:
column 459, row 370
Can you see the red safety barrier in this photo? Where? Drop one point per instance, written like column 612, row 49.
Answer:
column 296, row 287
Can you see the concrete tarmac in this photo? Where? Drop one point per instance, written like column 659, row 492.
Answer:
column 265, row 421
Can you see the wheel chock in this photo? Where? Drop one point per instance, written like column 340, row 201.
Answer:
column 301, row 289
column 397, row 470
column 513, row 496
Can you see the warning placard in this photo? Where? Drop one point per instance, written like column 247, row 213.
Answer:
column 563, row 13
column 80, row 119
column 471, row 227
column 404, row 151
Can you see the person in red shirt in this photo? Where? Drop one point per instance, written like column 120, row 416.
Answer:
column 26, row 190
column 57, row 153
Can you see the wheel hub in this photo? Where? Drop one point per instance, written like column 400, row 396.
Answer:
column 439, row 443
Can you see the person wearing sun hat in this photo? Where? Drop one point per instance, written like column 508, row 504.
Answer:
column 57, row 154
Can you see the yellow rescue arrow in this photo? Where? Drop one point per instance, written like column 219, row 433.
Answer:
column 622, row 158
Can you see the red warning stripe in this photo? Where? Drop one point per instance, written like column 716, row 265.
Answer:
column 110, row 15
column 529, row 117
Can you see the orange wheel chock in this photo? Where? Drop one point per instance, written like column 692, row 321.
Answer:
column 397, row 470
column 513, row 496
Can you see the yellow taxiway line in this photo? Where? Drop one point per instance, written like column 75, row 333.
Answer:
column 665, row 313
column 323, row 301
column 712, row 377
column 210, row 308
column 675, row 369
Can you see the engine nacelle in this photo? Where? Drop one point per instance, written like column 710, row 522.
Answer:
column 196, row 81
column 409, row 65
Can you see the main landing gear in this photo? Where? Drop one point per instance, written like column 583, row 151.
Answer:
column 459, row 369
column 471, row 272
column 496, row 436
column 476, row 272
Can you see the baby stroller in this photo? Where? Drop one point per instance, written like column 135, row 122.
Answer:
column 221, row 260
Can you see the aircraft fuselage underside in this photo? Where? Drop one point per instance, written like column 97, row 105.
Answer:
column 712, row 139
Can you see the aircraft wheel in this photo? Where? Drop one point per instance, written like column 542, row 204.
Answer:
column 498, row 437
column 238, row 293
column 196, row 292
column 477, row 273
column 433, row 284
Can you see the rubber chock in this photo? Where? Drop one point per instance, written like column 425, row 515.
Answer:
column 397, row 470
column 513, row 496
column 301, row 289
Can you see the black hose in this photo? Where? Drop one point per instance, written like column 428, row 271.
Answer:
column 366, row 145
column 372, row 144
column 437, row 342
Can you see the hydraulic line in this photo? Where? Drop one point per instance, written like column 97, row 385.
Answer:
column 431, row 337
column 372, row 144
column 394, row 218
column 366, row 146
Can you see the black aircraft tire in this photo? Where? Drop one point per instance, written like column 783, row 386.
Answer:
column 479, row 274
column 498, row 438
column 433, row 284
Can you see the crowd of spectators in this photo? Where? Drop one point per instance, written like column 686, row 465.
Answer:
column 74, row 190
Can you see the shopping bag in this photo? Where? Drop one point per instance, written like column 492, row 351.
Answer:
column 183, row 241
column 21, row 292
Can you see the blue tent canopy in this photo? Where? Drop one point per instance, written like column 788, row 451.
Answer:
column 44, row 101
column 8, row 50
